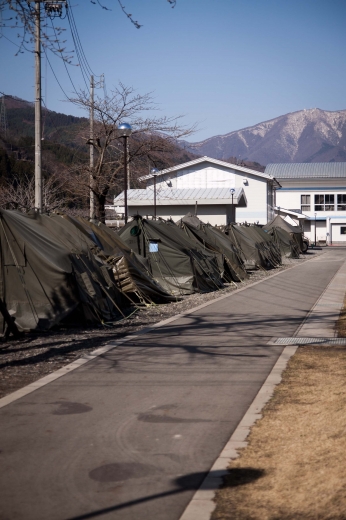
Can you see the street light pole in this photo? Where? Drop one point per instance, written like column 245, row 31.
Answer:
column 125, row 130
column 233, row 216
column 125, row 177
column 91, row 115
column 154, row 172
column 315, row 229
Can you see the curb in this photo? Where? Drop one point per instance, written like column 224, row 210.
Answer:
column 202, row 504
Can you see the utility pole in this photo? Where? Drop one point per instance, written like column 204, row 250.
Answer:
column 38, row 154
column 92, row 195
column 93, row 85
column 53, row 8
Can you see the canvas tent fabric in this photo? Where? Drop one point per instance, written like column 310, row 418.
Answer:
column 178, row 263
column 128, row 271
column 288, row 247
column 214, row 240
column 268, row 247
column 294, row 232
column 257, row 248
column 131, row 271
column 43, row 281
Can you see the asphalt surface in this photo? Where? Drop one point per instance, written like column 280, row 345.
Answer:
column 131, row 434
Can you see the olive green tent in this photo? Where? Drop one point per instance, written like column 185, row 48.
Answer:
column 177, row 262
column 43, row 280
column 268, row 248
column 257, row 248
column 130, row 270
column 214, row 240
column 295, row 234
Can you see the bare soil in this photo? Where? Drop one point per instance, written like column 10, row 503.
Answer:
column 341, row 324
column 26, row 360
column 294, row 467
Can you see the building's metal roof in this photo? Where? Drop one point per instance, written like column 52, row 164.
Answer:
column 170, row 196
column 307, row 170
column 295, row 212
column 217, row 162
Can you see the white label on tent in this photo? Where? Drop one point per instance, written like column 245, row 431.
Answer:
column 153, row 247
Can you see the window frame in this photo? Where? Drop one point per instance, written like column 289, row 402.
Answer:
column 305, row 202
column 339, row 204
column 324, row 202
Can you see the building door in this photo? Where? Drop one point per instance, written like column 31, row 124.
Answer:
column 338, row 233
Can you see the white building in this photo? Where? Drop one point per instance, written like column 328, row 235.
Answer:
column 206, row 184
column 318, row 191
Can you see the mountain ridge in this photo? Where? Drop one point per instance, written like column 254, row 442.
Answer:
column 309, row 135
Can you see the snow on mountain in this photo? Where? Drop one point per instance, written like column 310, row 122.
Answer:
column 312, row 135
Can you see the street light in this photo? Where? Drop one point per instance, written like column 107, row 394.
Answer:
column 154, row 172
column 315, row 229
column 233, row 216
column 125, row 130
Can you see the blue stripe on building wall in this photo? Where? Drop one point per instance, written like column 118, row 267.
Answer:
column 329, row 188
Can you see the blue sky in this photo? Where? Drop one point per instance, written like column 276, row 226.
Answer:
column 225, row 64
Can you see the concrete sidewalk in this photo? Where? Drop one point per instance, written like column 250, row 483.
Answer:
column 132, row 433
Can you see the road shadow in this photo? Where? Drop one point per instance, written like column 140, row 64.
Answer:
column 190, row 482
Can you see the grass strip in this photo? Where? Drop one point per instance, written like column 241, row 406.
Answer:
column 294, row 466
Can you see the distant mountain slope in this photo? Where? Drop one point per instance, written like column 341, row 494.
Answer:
column 312, row 135
column 62, row 139
column 55, row 126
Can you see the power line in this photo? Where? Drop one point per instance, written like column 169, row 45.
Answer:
column 58, row 82
column 77, row 51
column 74, row 88
column 83, row 62
column 76, row 149
column 16, row 44
column 15, row 98
column 87, row 66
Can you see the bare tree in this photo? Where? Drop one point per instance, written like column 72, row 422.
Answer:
column 153, row 138
column 20, row 16
column 19, row 193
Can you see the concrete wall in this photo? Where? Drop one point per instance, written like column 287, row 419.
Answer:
column 289, row 197
column 337, row 234
column 256, row 192
column 206, row 175
column 215, row 215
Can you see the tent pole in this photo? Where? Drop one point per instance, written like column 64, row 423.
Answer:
column 12, row 327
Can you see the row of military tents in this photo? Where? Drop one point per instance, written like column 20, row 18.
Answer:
column 60, row 269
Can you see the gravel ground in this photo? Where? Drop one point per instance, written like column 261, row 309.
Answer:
column 26, row 360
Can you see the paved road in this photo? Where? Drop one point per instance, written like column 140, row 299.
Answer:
column 131, row 434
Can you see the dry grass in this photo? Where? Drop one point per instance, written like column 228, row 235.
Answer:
column 294, row 467
column 341, row 324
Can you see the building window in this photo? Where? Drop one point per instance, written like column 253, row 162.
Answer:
column 324, row 202
column 343, row 230
column 341, row 202
column 305, row 202
column 307, row 226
